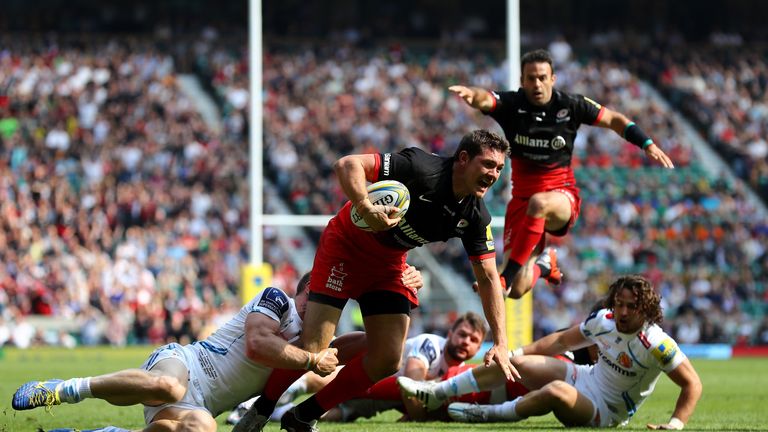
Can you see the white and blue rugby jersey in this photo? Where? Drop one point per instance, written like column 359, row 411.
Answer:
column 226, row 375
column 629, row 365
column 429, row 349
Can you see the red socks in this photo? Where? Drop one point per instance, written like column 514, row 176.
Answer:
column 530, row 234
column 350, row 383
column 386, row 389
column 279, row 381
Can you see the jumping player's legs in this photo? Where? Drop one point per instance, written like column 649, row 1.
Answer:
column 524, row 238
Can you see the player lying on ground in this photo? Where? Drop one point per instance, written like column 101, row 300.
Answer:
column 186, row 387
column 426, row 357
column 633, row 351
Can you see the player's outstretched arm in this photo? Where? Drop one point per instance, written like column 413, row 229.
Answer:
column 265, row 346
column 631, row 132
column 475, row 97
column 492, row 296
column 690, row 391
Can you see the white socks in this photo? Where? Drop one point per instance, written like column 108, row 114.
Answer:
column 505, row 411
column 461, row 384
column 76, row 389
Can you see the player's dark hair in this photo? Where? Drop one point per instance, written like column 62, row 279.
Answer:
column 474, row 142
column 537, row 56
column 303, row 283
column 648, row 301
column 474, row 320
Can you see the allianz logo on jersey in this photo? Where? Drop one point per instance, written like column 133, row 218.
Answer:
column 555, row 143
column 411, row 233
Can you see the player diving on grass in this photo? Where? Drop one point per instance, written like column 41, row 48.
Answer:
column 633, row 351
column 184, row 388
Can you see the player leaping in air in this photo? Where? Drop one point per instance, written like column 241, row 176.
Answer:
column 540, row 124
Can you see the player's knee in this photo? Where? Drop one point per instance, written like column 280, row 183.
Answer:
column 168, row 388
column 197, row 421
column 558, row 391
column 538, row 205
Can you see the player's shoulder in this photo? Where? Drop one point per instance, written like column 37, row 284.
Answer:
column 598, row 322
column 426, row 338
column 566, row 99
column 659, row 344
column 428, row 346
column 418, row 154
column 270, row 299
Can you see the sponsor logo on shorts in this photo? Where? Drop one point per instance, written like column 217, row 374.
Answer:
column 335, row 280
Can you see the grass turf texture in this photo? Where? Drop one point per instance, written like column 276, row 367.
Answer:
column 735, row 397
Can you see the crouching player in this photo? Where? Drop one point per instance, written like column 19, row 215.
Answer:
column 633, row 351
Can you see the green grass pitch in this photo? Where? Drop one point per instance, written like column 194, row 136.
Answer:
column 735, row 397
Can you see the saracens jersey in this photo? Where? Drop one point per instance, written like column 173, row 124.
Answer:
column 222, row 371
column 434, row 213
column 541, row 138
column 629, row 365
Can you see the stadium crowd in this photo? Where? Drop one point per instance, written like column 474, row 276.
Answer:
column 123, row 211
column 686, row 229
column 722, row 88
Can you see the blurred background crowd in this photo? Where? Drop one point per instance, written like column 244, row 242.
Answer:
column 124, row 212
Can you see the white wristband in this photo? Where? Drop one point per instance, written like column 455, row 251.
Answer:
column 676, row 423
column 311, row 361
column 516, row 352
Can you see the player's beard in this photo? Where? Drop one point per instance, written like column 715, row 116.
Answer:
column 453, row 352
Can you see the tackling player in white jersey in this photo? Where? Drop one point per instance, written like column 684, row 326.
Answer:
column 633, row 352
column 186, row 387
column 425, row 357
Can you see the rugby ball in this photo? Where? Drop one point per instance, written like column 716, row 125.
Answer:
column 386, row 192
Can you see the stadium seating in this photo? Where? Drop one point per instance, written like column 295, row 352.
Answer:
column 121, row 206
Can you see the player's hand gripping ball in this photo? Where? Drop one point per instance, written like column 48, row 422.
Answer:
column 386, row 192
